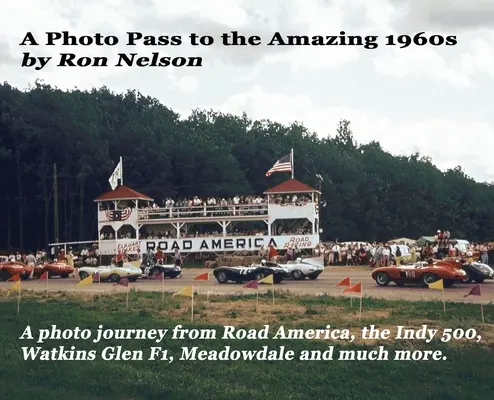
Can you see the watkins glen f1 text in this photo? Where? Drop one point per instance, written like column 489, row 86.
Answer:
column 227, row 39
column 228, row 353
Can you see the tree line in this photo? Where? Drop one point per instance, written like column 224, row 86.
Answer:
column 370, row 194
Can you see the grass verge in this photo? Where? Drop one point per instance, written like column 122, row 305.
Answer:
column 467, row 373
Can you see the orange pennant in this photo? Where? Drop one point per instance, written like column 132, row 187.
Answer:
column 202, row 277
column 14, row 278
column 357, row 288
column 345, row 283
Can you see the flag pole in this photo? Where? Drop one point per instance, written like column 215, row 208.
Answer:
column 47, row 285
column 163, row 288
column 19, row 298
column 360, row 310
column 272, row 288
column 127, row 299
column 444, row 303
column 351, row 301
column 121, row 171
column 192, row 307
column 257, row 299
column 293, row 164
column 481, row 306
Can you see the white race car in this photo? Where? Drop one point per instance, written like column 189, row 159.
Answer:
column 112, row 273
column 303, row 268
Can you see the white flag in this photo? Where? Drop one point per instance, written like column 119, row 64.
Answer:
column 117, row 174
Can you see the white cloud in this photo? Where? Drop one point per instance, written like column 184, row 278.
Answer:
column 481, row 57
column 417, row 61
column 449, row 142
column 316, row 85
column 187, row 83
column 319, row 20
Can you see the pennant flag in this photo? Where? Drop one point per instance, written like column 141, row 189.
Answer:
column 14, row 278
column 44, row 276
column 159, row 276
column 439, row 285
column 96, row 277
column 345, row 283
column 267, row 279
column 474, row 292
column 252, row 285
column 122, row 282
column 116, row 176
column 185, row 291
column 284, row 164
column 202, row 277
column 357, row 288
column 86, row 281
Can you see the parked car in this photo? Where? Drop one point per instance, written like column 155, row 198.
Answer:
column 245, row 274
column 419, row 273
column 112, row 273
column 406, row 256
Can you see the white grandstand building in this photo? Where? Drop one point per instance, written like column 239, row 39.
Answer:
column 287, row 216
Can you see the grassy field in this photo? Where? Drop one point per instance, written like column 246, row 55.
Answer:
column 467, row 374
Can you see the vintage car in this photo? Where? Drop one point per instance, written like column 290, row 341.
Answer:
column 419, row 273
column 60, row 269
column 475, row 271
column 302, row 268
column 169, row 270
column 112, row 273
column 245, row 274
column 10, row 268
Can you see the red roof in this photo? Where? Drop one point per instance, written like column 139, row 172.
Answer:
column 291, row 186
column 123, row 193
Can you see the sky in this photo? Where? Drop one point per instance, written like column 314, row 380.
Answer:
column 436, row 100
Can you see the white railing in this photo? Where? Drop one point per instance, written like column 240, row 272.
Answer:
column 204, row 211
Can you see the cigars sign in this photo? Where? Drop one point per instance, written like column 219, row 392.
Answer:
column 208, row 244
column 235, row 243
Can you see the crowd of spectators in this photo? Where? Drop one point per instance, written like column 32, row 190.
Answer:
column 212, row 206
column 387, row 253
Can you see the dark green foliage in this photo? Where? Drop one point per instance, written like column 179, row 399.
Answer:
column 371, row 194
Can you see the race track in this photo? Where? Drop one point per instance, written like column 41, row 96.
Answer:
column 325, row 284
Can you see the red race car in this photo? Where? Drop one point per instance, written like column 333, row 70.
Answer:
column 10, row 268
column 55, row 269
column 420, row 273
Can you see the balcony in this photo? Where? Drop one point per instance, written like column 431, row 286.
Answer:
column 244, row 212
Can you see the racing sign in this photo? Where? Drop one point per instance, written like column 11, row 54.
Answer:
column 235, row 243
column 209, row 244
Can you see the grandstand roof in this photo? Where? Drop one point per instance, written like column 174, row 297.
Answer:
column 123, row 193
column 291, row 186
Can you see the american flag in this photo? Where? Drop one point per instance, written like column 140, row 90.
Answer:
column 284, row 164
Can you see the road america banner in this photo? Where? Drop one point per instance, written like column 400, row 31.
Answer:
column 232, row 243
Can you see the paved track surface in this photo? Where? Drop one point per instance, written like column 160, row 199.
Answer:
column 324, row 284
